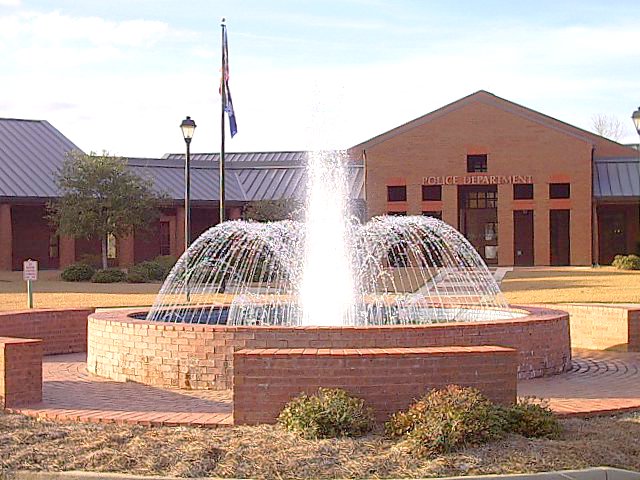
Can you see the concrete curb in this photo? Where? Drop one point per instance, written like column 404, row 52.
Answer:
column 597, row 473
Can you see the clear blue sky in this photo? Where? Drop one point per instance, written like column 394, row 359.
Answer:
column 121, row 74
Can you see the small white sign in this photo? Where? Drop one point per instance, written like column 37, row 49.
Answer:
column 30, row 270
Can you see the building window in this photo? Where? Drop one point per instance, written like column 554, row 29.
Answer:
column 432, row 193
column 397, row 214
column 559, row 190
column 434, row 214
column 397, row 194
column 112, row 249
column 523, row 191
column 165, row 239
column 54, row 246
column 476, row 163
column 481, row 199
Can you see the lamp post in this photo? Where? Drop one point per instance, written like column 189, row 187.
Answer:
column 636, row 122
column 188, row 127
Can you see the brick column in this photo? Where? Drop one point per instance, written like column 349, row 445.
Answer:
column 6, row 234
column 450, row 205
column 180, row 218
column 541, row 235
column 505, row 225
column 20, row 371
column 67, row 251
column 126, row 251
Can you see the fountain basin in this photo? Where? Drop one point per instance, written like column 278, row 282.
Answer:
column 199, row 356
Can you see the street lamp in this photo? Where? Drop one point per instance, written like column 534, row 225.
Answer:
column 636, row 120
column 188, row 127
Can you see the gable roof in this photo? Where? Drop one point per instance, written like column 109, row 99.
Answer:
column 31, row 152
column 488, row 98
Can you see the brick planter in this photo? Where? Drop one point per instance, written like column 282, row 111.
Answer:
column 201, row 356
column 388, row 380
column 20, row 371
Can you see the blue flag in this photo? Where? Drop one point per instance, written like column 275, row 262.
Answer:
column 224, row 86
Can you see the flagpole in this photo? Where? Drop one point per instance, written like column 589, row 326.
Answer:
column 223, row 102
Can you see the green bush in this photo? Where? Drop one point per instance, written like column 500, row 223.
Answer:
column 137, row 274
column 166, row 262
column 328, row 414
column 626, row 262
column 78, row 272
column 445, row 420
column 153, row 270
column 532, row 420
column 109, row 275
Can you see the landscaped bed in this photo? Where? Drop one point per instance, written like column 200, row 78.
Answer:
column 270, row 452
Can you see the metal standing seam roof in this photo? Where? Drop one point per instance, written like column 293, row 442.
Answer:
column 31, row 152
column 249, row 177
column 616, row 178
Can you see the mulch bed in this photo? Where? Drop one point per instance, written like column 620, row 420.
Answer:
column 269, row 452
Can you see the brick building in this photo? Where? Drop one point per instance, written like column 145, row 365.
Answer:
column 524, row 188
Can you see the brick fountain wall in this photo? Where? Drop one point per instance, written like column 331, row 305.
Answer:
column 201, row 356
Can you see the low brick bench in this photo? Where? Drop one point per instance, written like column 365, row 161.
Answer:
column 388, row 379
column 20, row 371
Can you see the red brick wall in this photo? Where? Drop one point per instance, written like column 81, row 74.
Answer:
column 516, row 144
column 600, row 327
column 20, row 371
column 62, row 331
column 387, row 379
column 201, row 356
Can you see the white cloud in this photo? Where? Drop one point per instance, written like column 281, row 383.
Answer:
column 10, row 3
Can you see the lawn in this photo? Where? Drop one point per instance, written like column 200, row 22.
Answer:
column 269, row 452
column 521, row 286
column 571, row 284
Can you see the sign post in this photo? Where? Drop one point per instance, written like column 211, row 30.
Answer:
column 30, row 274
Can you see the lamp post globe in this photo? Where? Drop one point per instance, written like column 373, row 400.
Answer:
column 636, row 120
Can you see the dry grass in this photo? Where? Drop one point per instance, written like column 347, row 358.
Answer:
column 572, row 284
column 269, row 452
column 522, row 286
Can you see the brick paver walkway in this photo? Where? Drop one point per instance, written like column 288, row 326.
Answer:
column 71, row 393
column 599, row 382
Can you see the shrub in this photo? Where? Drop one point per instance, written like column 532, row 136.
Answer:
column 152, row 270
column 531, row 419
column 136, row 274
column 626, row 262
column 109, row 275
column 78, row 272
column 166, row 262
column 444, row 420
column 328, row 414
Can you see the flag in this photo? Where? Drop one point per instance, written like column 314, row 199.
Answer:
column 224, row 85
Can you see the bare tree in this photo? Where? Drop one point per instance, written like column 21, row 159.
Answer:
column 607, row 126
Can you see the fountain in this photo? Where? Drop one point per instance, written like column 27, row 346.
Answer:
column 330, row 270
column 330, row 283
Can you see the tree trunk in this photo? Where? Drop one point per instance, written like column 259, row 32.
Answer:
column 104, row 252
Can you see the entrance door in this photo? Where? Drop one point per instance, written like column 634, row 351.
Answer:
column 479, row 219
column 612, row 235
column 559, row 237
column 523, row 238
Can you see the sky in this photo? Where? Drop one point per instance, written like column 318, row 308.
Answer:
column 120, row 75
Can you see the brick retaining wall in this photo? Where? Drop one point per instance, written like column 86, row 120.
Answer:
column 20, row 371
column 600, row 327
column 201, row 356
column 62, row 331
column 387, row 379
